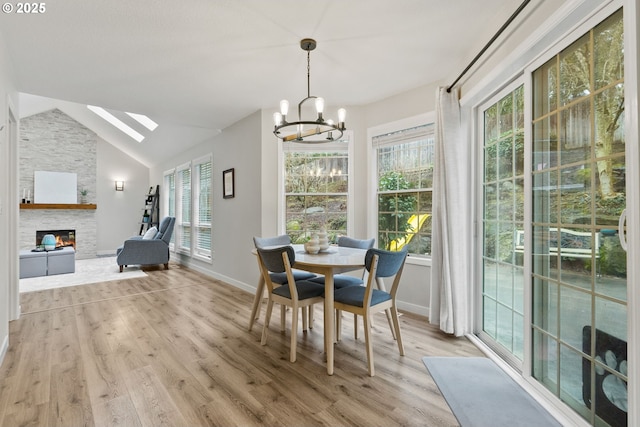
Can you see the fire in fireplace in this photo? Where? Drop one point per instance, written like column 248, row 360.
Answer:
column 63, row 237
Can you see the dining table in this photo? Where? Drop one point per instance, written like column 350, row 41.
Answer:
column 334, row 260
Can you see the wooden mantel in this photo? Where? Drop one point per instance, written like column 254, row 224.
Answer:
column 58, row 206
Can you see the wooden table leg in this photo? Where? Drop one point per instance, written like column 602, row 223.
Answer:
column 257, row 302
column 329, row 326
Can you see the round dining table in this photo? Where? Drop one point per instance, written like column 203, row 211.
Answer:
column 334, row 260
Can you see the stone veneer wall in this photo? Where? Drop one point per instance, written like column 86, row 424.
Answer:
column 54, row 142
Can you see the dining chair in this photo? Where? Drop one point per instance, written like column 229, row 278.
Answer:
column 295, row 293
column 365, row 300
column 276, row 278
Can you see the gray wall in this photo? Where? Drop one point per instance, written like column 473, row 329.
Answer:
column 236, row 220
column 119, row 212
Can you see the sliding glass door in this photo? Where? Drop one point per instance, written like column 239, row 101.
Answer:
column 503, row 225
column 565, row 248
column 578, row 194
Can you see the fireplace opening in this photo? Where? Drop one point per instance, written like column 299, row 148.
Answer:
column 63, row 237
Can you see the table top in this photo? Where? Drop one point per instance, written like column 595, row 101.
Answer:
column 337, row 256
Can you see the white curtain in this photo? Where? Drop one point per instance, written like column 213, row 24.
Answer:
column 452, row 211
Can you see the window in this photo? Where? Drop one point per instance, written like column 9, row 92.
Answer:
column 404, row 168
column 202, row 207
column 316, row 189
column 183, row 208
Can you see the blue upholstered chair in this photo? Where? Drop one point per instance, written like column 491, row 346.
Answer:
column 344, row 280
column 276, row 278
column 365, row 300
column 138, row 250
column 295, row 293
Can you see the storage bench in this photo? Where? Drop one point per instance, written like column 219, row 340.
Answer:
column 47, row 263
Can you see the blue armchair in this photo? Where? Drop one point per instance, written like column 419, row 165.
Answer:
column 140, row 251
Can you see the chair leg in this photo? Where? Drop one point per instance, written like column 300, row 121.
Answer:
column 283, row 317
column 294, row 334
column 257, row 302
column 338, row 325
column 265, row 327
column 355, row 326
column 368, row 343
column 311, row 310
column 396, row 324
column 390, row 320
column 305, row 320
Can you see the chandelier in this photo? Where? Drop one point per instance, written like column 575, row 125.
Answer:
column 309, row 131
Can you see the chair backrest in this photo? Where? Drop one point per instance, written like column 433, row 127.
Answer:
column 165, row 229
column 263, row 242
column 278, row 260
column 355, row 243
column 389, row 263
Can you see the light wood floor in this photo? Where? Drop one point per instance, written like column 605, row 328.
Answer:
column 173, row 349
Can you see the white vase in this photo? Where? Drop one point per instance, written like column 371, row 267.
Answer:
column 323, row 240
column 312, row 246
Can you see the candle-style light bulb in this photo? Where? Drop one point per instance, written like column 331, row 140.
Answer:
column 320, row 105
column 277, row 118
column 342, row 114
column 284, row 107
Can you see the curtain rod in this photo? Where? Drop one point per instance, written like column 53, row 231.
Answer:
column 484, row 49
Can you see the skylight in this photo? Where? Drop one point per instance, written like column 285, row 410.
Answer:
column 144, row 121
column 116, row 122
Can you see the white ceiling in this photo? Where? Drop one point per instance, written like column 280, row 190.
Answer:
column 197, row 66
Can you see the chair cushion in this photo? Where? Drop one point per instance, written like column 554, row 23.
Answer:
column 150, row 234
column 281, row 278
column 306, row 290
column 341, row 281
column 354, row 295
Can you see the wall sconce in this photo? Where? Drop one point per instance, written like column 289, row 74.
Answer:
column 119, row 185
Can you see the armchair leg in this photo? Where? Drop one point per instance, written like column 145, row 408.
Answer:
column 121, row 268
column 166, row 266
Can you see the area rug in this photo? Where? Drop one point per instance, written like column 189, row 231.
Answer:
column 94, row 270
column 480, row 394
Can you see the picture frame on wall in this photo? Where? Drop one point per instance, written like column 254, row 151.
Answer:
column 228, row 183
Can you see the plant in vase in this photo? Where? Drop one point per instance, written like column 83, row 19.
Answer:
column 83, row 195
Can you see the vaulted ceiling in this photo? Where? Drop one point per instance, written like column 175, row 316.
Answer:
column 198, row 66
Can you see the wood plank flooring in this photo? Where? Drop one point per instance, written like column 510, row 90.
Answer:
column 173, row 349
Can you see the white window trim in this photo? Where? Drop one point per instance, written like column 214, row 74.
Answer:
column 348, row 135
column 196, row 253
column 165, row 201
column 178, row 227
column 372, row 199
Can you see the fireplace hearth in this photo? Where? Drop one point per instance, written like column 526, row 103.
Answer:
column 63, row 237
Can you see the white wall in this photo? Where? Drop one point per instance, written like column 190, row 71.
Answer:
column 9, row 308
column 119, row 212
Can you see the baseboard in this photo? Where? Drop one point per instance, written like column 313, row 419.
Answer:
column 221, row 277
column 413, row 308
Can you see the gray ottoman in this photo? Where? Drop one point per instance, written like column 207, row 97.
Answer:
column 61, row 261
column 33, row 264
